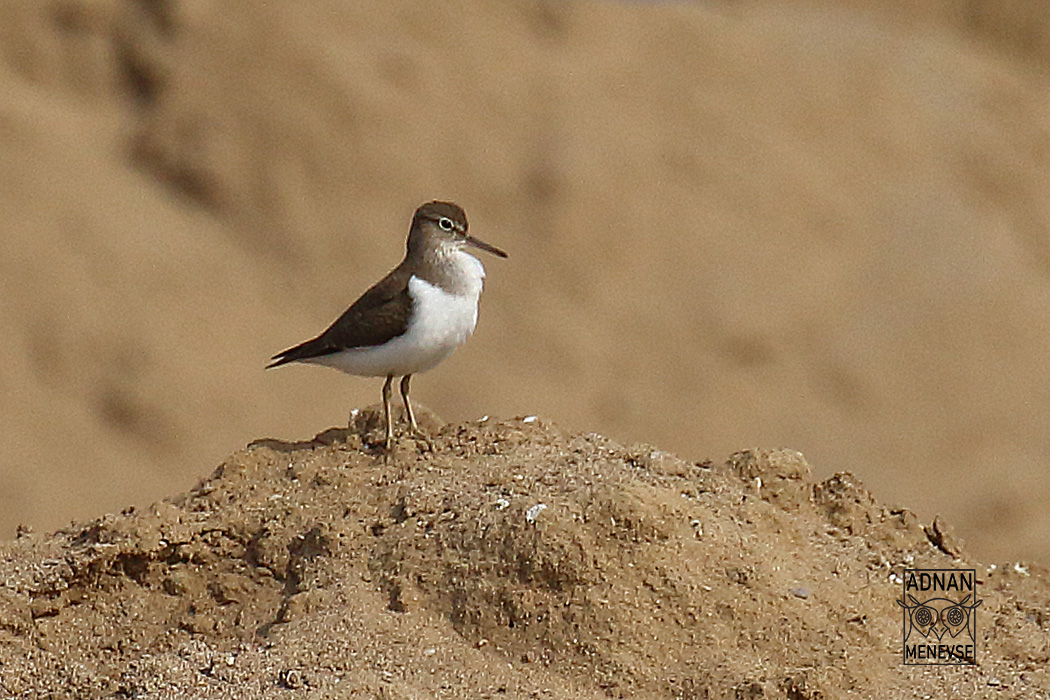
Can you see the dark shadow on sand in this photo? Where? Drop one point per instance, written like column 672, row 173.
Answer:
column 329, row 437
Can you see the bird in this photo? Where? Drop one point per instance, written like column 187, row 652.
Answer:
column 413, row 318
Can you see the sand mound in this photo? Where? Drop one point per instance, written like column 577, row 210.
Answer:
column 497, row 559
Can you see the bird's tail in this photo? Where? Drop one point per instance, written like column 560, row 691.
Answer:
column 303, row 351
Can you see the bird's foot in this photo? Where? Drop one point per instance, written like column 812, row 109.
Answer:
column 389, row 445
column 379, row 445
column 423, row 441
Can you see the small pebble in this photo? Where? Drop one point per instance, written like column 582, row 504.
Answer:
column 532, row 513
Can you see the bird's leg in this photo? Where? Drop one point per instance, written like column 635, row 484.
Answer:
column 386, row 412
column 408, row 406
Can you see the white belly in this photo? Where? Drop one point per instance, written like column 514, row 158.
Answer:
column 440, row 323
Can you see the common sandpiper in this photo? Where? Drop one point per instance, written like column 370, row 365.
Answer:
column 413, row 318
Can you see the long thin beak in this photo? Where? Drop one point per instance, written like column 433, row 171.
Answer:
column 484, row 246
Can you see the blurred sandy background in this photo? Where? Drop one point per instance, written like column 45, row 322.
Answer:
column 821, row 226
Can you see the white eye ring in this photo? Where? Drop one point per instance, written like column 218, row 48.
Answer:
column 446, row 223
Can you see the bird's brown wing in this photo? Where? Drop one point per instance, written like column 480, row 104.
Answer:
column 382, row 313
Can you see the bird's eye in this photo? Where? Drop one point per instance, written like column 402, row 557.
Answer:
column 446, row 223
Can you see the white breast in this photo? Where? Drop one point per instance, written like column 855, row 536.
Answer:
column 440, row 323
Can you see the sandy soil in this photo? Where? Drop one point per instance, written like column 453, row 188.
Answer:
column 499, row 559
column 812, row 225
